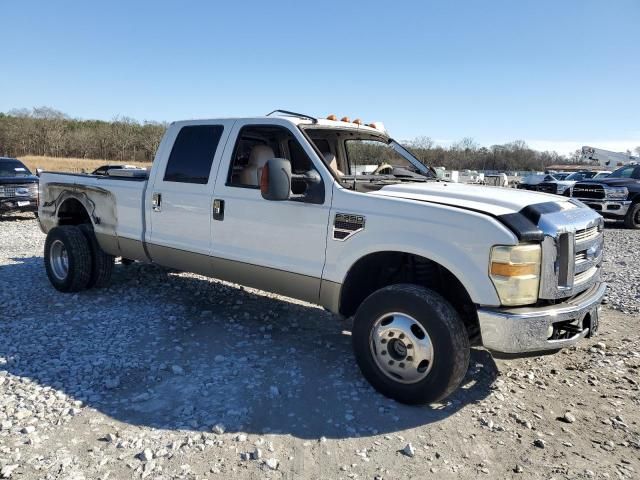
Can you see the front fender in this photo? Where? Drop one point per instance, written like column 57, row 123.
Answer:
column 459, row 240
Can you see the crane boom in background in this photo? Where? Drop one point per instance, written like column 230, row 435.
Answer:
column 606, row 158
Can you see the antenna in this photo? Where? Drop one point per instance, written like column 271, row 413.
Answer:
column 294, row 114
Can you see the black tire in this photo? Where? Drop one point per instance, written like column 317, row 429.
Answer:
column 443, row 325
column 632, row 218
column 78, row 254
column 101, row 262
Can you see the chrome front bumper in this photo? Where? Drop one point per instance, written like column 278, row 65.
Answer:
column 533, row 329
column 616, row 208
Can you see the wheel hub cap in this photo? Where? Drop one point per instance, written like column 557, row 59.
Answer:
column 59, row 260
column 401, row 347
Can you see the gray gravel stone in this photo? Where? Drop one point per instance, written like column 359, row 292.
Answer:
column 408, row 450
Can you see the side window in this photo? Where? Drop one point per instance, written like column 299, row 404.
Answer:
column 257, row 144
column 254, row 147
column 192, row 154
column 626, row 172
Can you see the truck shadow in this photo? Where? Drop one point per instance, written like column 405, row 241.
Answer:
column 178, row 351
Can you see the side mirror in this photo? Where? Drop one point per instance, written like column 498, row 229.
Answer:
column 275, row 180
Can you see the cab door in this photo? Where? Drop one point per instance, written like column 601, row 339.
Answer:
column 277, row 246
column 179, row 197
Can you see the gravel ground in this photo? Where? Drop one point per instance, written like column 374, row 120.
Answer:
column 167, row 375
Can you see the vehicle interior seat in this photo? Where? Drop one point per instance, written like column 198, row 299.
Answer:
column 332, row 161
column 258, row 157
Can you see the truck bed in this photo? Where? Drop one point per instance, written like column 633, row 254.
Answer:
column 115, row 203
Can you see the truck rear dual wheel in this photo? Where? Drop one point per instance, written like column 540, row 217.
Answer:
column 102, row 263
column 67, row 258
column 73, row 259
column 632, row 218
column 410, row 344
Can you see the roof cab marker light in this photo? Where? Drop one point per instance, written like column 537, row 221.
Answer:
column 345, row 119
column 332, row 117
column 377, row 126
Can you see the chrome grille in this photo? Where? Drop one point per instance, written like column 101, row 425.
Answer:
column 586, row 234
column 588, row 190
column 576, row 262
column 21, row 190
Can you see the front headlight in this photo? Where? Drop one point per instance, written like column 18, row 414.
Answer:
column 515, row 272
column 617, row 193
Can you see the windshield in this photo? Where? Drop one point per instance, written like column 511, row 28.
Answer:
column 382, row 158
column 581, row 175
column 13, row 168
column 630, row 171
column 366, row 161
column 533, row 179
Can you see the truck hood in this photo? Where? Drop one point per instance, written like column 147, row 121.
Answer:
column 566, row 183
column 612, row 182
column 491, row 200
column 16, row 180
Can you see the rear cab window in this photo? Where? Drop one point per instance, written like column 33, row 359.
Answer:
column 192, row 154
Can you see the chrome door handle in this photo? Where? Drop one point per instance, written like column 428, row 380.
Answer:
column 156, row 202
column 218, row 209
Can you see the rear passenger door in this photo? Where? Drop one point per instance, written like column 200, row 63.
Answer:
column 179, row 199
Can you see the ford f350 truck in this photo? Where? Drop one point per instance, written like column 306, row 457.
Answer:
column 338, row 213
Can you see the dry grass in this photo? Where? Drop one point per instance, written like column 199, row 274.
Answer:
column 75, row 165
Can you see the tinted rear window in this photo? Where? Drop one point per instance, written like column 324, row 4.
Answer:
column 192, row 154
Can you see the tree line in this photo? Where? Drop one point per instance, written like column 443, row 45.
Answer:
column 49, row 132
column 467, row 154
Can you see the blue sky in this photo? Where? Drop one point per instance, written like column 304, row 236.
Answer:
column 557, row 74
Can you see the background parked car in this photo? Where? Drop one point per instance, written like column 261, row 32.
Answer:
column 563, row 186
column 531, row 182
column 18, row 187
column 616, row 197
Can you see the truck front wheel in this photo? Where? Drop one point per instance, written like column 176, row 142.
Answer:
column 67, row 258
column 410, row 344
column 632, row 219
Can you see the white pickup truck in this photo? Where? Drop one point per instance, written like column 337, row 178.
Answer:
column 339, row 214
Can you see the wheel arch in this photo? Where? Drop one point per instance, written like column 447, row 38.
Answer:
column 73, row 211
column 379, row 269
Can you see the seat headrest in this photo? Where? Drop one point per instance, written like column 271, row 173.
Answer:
column 329, row 157
column 260, row 154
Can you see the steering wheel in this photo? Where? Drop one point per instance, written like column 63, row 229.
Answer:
column 383, row 169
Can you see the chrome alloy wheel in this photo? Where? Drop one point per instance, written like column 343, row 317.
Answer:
column 59, row 260
column 401, row 347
